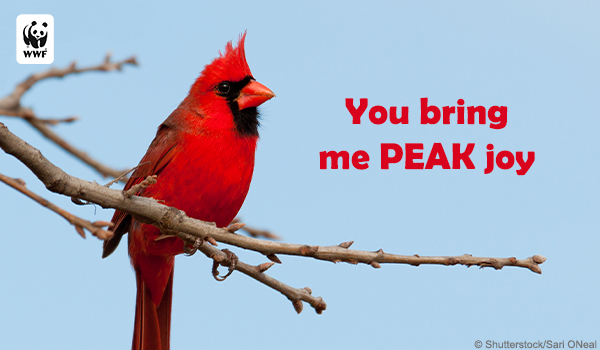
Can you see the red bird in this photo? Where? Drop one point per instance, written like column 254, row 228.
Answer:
column 203, row 155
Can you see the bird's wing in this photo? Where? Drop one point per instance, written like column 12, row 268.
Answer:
column 157, row 157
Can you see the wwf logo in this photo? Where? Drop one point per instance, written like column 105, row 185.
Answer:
column 35, row 39
column 35, row 34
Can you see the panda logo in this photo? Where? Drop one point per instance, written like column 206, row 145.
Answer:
column 35, row 35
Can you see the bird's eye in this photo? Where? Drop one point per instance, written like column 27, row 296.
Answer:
column 223, row 87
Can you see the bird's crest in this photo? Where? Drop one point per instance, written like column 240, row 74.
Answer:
column 229, row 66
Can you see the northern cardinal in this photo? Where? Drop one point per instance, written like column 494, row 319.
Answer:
column 203, row 155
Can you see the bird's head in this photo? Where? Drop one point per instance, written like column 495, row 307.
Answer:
column 227, row 93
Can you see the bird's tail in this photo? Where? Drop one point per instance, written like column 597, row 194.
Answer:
column 152, row 327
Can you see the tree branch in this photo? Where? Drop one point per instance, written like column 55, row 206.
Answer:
column 13, row 101
column 144, row 209
column 295, row 295
column 172, row 221
column 94, row 227
column 254, row 232
column 24, row 115
column 11, row 106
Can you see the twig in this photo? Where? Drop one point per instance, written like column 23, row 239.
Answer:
column 124, row 175
column 24, row 115
column 94, row 227
column 337, row 253
column 174, row 221
column 83, row 156
column 13, row 101
column 11, row 106
column 295, row 295
column 256, row 233
column 150, row 180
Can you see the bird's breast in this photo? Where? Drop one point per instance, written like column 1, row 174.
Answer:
column 209, row 177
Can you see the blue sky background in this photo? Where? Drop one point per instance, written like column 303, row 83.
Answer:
column 538, row 58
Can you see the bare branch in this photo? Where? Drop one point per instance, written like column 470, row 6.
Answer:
column 124, row 175
column 150, row 180
column 256, row 233
column 337, row 253
column 25, row 115
column 83, row 156
column 234, row 226
column 173, row 221
column 11, row 106
column 13, row 101
column 295, row 295
column 94, row 227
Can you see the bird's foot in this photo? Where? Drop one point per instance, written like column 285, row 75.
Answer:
column 189, row 251
column 232, row 259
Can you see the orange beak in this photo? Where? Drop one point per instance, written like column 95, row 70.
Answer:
column 253, row 95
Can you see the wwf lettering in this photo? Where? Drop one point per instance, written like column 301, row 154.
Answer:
column 35, row 39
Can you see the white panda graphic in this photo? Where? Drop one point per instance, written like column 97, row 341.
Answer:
column 35, row 35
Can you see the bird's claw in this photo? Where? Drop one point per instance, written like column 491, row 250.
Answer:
column 189, row 251
column 232, row 258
